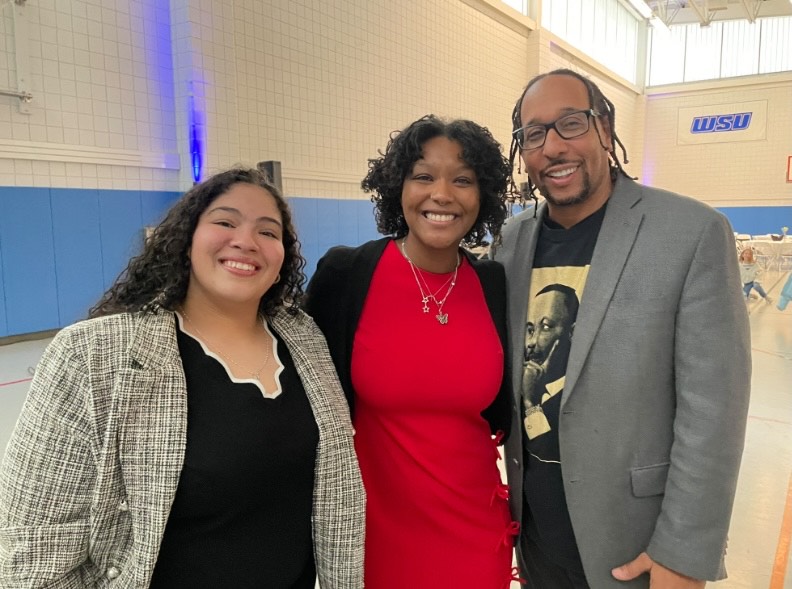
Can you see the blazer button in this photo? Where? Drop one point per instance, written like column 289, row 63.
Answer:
column 123, row 505
column 113, row 573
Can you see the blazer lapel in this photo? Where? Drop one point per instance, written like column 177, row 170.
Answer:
column 152, row 410
column 518, row 278
column 616, row 238
column 300, row 343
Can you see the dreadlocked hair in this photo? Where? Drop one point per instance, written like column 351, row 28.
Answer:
column 160, row 275
column 480, row 151
column 597, row 101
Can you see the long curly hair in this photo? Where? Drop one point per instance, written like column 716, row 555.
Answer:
column 480, row 151
column 160, row 275
column 597, row 101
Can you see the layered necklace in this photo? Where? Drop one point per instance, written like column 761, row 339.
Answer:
column 426, row 293
column 254, row 374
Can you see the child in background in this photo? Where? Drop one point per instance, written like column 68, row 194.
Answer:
column 748, row 272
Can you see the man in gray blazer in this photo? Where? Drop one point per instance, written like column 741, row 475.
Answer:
column 627, row 464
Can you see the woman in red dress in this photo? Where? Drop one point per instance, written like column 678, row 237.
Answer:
column 417, row 330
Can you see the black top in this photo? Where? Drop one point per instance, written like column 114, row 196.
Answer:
column 337, row 293
column 242, row 513
column 548, row 519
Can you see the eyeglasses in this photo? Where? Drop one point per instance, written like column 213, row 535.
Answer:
column 569, row 126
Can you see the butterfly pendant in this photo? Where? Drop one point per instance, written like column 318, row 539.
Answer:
column 442, row 318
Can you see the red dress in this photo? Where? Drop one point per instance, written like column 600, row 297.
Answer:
column 437, row 513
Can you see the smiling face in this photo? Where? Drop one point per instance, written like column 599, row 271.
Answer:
column 440, row 201
column 237, row 249
column 572, row 174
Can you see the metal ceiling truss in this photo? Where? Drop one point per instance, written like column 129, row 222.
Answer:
column 664, row 12
column 704, row 12
column 752, row 8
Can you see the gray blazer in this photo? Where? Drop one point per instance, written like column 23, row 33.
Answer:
column 655, row 400
column 92, row 467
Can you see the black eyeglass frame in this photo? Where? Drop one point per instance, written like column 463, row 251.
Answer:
column 519, row 134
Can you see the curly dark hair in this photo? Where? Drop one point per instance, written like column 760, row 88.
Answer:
column 159, row 276
column 480, row 151
column 597, row 102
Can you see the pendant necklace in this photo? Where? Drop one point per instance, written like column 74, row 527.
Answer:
column 426, row 292
column 254, row 374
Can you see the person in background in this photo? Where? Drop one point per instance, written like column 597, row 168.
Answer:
column 749, row 270
column 631, row 480
column 416, row 327
column 786, row 294
column 193, row 432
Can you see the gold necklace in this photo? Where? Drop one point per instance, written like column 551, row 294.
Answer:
column 426, row 293
column 255, row 374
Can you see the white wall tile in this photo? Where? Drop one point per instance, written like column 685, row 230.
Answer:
column 79, row 84
column 6, row 167
column 317, row 86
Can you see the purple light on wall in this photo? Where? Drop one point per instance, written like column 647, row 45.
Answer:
column 647, row 173
column 196, row 143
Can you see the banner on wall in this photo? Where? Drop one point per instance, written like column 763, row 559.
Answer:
column 722, row 123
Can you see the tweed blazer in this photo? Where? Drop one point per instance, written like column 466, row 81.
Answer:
column 337, row 293
column 653, row 412
column 92, row 467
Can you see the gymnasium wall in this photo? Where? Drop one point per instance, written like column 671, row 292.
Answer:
column 746, row 179
column 129, row 96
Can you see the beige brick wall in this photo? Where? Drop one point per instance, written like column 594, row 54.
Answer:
column 322, row 85
column 722, row 174
column 317, row 86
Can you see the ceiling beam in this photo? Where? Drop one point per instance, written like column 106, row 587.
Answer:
column 682, row 12
column 752, row 8
column 661, row 11
column 703, row 13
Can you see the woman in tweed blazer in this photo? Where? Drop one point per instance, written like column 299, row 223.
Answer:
column 89, row 481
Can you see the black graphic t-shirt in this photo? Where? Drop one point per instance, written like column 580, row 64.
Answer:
column 560, row 268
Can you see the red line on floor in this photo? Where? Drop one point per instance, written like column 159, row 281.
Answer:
column 5, row 384
column 782, row 551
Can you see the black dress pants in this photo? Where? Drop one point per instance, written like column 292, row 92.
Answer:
column 541, row 573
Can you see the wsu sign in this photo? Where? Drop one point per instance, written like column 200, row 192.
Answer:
column 722, row 123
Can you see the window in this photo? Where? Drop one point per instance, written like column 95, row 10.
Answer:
column 603, row 29
column 724, row 49
column 775, row 54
